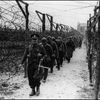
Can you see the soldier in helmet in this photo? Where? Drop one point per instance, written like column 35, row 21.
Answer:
column 55, row 52
column 34, row 52
column 61, row 50
column 47, row 60
column 70, row 48
column 53, row 38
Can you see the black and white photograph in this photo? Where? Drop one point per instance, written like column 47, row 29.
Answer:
column 49, row 49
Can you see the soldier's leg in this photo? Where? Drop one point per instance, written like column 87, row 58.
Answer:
column 31, row 80
column 58, row 64
column 68, row 59
column 52, row 65
column 45, row 74
column 61, row 61
column 32, row 92
column 71, row 54
column 51, row 69
column 25, row 69
column 38, row 87
column 62, row 57
column 37, row 82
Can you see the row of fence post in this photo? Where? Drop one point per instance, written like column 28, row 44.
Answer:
column 25, row 12
column 93, row 33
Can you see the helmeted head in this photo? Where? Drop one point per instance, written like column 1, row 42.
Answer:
column 49, row 38
column 53, row 38
column 59, row 37
column 44, row 40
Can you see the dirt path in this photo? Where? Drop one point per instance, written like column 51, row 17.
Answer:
column 71, row 82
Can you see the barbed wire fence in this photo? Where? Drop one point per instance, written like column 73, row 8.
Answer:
column 12, row 29
column 93, row 51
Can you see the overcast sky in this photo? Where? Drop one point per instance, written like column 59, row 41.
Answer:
column 64, row 12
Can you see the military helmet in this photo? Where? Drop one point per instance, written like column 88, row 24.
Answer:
column 53, row 38
column 49, row 37
column 44, row 40
column 59, row 37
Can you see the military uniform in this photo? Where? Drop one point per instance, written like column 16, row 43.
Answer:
column 61, row 51
column 64, row 52
column 57, row 57
column 47, row 60
column 70, row 48
column 34, row 53
column 55, row 52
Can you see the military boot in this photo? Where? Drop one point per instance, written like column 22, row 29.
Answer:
column 32, row 93
column 58, row 67
column 51, row 70
column 68, row 60
column 37, row 90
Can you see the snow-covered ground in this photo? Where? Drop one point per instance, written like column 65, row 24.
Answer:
column 71, row 82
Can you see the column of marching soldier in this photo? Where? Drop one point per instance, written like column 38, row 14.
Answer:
column 41, row 57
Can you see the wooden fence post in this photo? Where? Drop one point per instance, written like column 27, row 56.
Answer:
column 50, row 18
column 25, row 13
column 89, row 51
column 42, row 19
column 97, row 83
